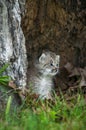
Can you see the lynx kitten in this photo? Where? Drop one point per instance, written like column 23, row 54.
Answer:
column 47, row 67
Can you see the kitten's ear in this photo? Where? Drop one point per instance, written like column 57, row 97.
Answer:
column 58, row 58
column 42, row 58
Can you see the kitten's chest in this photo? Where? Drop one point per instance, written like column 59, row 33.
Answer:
column 43, row 87
column 45, row 82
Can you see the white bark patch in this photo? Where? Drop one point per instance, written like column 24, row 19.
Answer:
column 12, row 41
column 7, row 49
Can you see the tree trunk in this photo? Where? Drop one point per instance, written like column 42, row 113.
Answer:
column 12, row 41
column 57, row 25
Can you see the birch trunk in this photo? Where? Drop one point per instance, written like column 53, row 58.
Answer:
column 12, row 41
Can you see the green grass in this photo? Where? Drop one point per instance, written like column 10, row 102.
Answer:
column 4, row 79
column 59, row 114
column 43, row 115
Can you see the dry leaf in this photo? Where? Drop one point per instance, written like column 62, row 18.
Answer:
column 69, row 67
column 12, row 85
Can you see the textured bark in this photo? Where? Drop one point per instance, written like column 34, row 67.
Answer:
column 59, row 26
column 12, row 41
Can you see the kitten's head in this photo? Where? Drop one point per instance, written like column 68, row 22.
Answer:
column 49, row 63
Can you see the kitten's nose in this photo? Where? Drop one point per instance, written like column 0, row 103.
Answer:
column 55, row 70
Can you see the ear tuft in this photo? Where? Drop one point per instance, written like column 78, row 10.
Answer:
column 58, row 57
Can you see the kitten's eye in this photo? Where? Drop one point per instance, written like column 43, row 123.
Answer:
column 57, row 64
column 51, row 64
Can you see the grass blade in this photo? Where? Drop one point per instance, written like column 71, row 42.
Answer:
column 3, row 68
column 7, row 112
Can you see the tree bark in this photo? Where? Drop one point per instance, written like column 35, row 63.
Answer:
column 12, row 41
column 56, row 25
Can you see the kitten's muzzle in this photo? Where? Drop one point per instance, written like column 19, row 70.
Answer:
column 55, row 70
